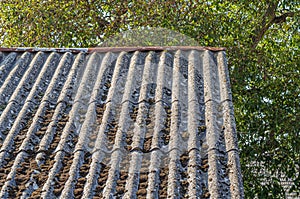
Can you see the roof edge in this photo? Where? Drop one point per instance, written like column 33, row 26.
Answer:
column 111, row 49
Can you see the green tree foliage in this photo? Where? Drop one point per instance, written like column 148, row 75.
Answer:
column 262, row 40
column 57, row 23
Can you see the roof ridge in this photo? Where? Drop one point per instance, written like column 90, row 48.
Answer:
column 112, row 49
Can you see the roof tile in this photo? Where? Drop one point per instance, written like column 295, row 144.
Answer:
column 130, row 123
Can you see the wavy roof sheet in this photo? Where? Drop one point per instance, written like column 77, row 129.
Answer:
column 127, row 123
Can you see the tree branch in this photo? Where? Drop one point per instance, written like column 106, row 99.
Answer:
column 282, row 18
column 266, row 24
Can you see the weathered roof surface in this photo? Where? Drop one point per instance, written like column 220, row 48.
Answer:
column 117, row 124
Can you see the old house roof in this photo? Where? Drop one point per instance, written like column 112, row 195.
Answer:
column 152, row 122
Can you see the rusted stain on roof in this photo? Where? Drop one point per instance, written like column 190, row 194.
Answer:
column 155, row 123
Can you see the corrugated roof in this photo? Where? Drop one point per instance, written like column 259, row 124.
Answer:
column 152, row 123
